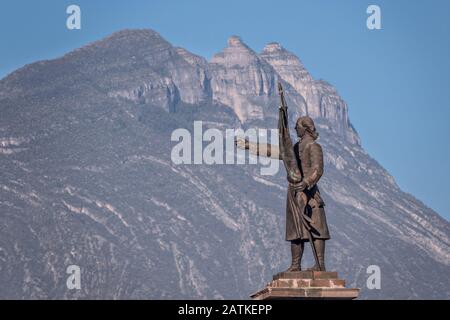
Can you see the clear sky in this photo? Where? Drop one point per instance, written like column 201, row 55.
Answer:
column 396, row 81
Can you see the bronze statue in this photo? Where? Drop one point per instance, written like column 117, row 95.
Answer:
column 305, row 213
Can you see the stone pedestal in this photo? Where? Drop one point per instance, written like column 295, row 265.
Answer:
column 306, row 285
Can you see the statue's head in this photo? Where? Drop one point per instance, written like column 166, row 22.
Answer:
column 305, row 126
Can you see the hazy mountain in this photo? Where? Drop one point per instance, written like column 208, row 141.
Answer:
column 87, row 179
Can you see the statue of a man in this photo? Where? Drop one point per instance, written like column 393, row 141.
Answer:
column 309, row 156
column 310, row 160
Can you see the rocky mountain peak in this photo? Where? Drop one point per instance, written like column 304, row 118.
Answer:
column 273, row 47
column 129, row 42
column 285, row 63
column 235, row 41
column 242, row 80
column 322, row 99
column 133, row 34
column 141, row 66
column 236, row 53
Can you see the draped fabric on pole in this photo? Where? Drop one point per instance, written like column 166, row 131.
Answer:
column 285, row 143
column 292, row 168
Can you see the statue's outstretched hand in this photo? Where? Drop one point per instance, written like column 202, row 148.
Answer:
column 241, row 143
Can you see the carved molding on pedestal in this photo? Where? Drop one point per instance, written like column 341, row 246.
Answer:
column 306, row 285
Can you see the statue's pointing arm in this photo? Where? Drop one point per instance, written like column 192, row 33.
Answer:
column 316, row 156
column 259, row 149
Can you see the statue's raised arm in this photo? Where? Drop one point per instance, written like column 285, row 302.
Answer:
column 259, row 149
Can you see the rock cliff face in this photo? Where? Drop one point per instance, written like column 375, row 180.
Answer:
column 322, row 99
column 87, row 179
column 160, row 74
column 241, row 80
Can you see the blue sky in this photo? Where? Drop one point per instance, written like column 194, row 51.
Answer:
column 396, row 81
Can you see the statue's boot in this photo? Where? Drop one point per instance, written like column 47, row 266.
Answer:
column 297, row 253
column 319, row 245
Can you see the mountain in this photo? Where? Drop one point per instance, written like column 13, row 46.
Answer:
column 87, row 179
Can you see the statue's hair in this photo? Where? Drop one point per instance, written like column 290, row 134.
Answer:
column 308, row 123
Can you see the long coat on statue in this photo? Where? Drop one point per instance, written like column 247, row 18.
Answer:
column 309, row 157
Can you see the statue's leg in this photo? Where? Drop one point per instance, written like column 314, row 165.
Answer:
column 297, row 247
column 319, row 245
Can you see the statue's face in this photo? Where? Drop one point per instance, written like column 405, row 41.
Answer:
column 300, row 130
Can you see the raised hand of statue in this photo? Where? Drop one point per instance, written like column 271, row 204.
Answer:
column 241, row 143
